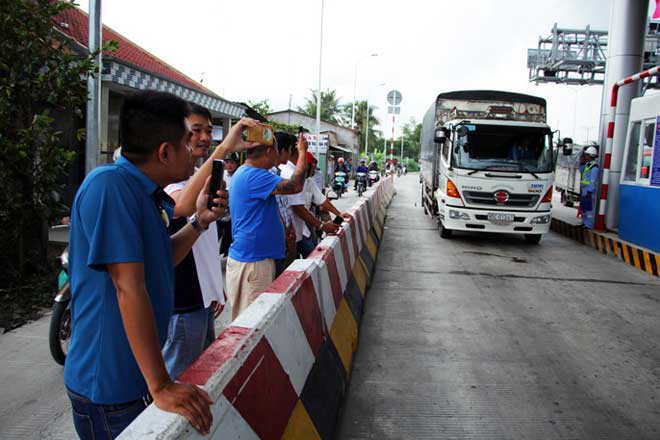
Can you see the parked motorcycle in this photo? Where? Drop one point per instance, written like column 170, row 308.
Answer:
column 360, row 183
column 60, row 320
column 373, row 177
column 339, row 183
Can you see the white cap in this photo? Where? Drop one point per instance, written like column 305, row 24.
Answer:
column 591, row 151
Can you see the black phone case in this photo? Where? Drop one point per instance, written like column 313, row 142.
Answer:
column 217, row 176
column 338, row 220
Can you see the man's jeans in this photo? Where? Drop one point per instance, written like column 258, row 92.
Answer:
column 188, row 335
column 93, row 421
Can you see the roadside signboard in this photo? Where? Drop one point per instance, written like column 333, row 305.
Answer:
column 312, row 145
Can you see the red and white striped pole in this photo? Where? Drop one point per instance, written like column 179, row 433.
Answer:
column 600, row 220
column 392, row 142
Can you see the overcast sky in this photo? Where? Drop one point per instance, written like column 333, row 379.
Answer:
column 265, row 49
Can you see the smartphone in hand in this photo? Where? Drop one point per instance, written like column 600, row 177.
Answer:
column 217, row 177
column 338, row 220
column 262, row 134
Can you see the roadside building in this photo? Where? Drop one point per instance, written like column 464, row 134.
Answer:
column 126, row 70
column 342, row 141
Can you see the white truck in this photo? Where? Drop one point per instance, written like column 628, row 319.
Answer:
column 488, row 163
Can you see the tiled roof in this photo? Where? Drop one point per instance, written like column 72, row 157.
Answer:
column 74, row 23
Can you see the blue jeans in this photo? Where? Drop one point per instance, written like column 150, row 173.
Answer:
column 306, row 246
column 188, row 335
column 94, row 421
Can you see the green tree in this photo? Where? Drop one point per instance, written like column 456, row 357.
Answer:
column 330, row 107
column 411, row 140
column 360, row 123
column 42, row 80
column 262, row 107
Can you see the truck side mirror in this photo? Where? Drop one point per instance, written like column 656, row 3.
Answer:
column 440, row 135
column 567, row 144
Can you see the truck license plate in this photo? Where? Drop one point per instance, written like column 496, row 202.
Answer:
column 500, row 217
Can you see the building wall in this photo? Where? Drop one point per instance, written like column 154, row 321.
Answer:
column 345, row 136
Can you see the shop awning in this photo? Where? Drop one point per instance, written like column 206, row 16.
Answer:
column 340, row 148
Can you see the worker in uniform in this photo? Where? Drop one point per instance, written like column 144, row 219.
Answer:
column 590, row 172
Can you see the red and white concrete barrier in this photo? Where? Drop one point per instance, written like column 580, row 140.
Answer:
column 281, row 369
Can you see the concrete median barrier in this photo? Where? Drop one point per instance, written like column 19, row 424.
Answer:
column 281, row 369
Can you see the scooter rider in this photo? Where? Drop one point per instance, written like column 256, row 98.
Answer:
column 341, row 166
column 362, row 168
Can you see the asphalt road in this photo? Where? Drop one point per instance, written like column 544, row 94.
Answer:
column 33, row 403
column 487, row 336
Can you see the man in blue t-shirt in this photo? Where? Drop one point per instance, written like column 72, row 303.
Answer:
column 255, row 222
column 122, row 279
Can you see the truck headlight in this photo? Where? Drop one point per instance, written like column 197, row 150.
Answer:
column 457, row 215
column 541, row 220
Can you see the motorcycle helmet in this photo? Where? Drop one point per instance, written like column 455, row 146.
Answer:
column 340, row 160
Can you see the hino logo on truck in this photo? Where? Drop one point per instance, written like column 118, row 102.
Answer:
column 501, row 196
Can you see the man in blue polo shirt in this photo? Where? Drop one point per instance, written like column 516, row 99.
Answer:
column 121, row 266
column 258, row 233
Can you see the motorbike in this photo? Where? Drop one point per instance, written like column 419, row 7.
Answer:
column 373, row 177
column 361, row 183
column 60, row 320
column 339, row 183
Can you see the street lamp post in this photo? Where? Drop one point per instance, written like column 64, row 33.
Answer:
column 318, row 95
column 355, row 86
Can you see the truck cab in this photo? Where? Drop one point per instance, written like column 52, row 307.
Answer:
column 493, row 164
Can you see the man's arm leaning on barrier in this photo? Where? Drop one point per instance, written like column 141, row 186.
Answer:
column 140, row 326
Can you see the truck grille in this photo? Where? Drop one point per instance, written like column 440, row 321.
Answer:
column 487, row 198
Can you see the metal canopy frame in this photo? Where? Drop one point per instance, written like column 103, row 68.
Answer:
column 578, row 56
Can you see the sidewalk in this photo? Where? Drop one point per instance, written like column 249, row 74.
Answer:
column 565, row 222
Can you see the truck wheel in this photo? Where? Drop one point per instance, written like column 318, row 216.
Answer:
column 533, row 238
column 444, row 232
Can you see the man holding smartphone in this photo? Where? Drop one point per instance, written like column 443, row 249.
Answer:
column 256, row 226
column 303, row 220
column 198, row 291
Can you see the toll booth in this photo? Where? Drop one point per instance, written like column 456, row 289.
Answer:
column 639, row 207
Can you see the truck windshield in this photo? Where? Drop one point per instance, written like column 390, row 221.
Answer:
column 504, row 148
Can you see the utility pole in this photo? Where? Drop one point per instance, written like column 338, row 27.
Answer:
column 93, row 119
column 318, row 96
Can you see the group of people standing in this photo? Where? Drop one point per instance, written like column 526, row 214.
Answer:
column 145, row 264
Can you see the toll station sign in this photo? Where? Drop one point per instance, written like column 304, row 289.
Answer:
column 655, row 165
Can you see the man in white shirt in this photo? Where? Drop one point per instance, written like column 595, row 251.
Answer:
column 198, row 290
column 287, row 169
column 303, row 220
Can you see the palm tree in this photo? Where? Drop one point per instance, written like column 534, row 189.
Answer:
column 330, row 107
column 361, row 121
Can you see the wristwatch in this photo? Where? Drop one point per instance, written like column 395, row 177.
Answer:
column 194, row 222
